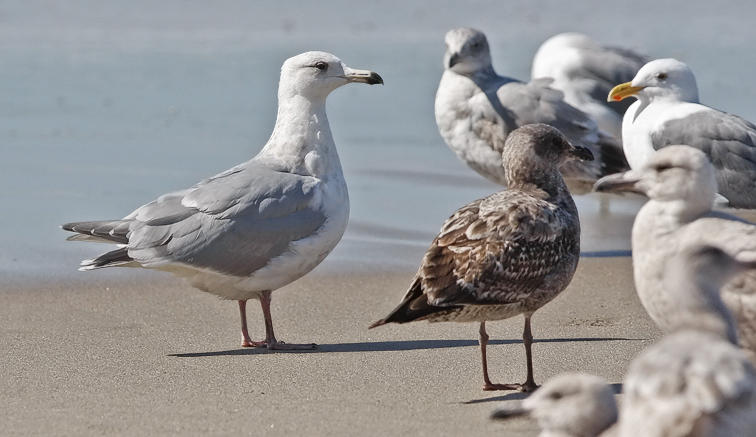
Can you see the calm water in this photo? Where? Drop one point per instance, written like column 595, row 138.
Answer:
column 106, row 105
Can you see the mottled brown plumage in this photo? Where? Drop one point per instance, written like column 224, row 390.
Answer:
column 507, row 254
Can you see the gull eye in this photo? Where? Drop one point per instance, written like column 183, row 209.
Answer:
column 322, row 66
column 557, row 395
column 663, row 167
column 661, row 76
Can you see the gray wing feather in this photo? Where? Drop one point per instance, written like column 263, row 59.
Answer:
column 99, row 231
column 536, row 102
column 730, row 143
column 606, row 68
column 233, row 223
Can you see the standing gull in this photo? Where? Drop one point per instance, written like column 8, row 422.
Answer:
column 585, row 71
column 680, row 184
column 694, row 381
column 569, row 405
column 667, row 112
column 507, row 254
column 256, row 227
column 476, row 109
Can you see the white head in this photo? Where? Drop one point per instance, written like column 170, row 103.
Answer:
column 680, row 174
column 660, row 79
column 571, row 404
column 315, row 74
column 467, row 51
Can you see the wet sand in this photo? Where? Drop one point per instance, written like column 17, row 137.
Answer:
column 144, row 354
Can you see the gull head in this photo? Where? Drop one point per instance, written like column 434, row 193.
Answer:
column 673, row 174
column 466, row 51
column 315, row 74
column 535, row 151
column 574, row 404
column 660, row 79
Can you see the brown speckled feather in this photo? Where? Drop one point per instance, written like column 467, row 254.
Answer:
column 497, row 252
column 507, row 254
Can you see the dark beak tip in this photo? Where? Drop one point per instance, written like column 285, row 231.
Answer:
column 375, row 79
column 453, row 60
column 583, row 154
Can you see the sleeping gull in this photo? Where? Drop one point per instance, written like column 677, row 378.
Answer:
column 476, row 109
column 256, row 227
column 693, row 382
column 667, row 112
column 585, row 71
column 569, row 405
column 507, row 254
column 680, row 184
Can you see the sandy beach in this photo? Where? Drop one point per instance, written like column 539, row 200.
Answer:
column 149, row 355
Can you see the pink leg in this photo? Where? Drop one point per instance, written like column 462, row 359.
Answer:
column 488, row 385
column 246, row 340
column 270, row 337
column 527, row 338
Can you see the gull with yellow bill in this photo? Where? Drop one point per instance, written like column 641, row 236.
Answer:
column 668, row 112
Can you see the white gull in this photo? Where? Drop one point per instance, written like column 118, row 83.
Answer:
column 569, row 405
column 585, row 71
column 259, row 226
column 694, row 381
column 667, row 112
column 680, row 184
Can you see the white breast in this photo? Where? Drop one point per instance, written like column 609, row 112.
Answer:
column 638, row 127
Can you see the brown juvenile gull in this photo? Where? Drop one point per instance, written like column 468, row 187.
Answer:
column 585, row 71
column 569, row 405
column 476, row 109
column 256, row 227
column 668, row 112
column 507, row 254
column 694, row 381
column 681, row 186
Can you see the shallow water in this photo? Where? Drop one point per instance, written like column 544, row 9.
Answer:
column 106, row 105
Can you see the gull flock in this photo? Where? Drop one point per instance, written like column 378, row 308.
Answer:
column 265, row 223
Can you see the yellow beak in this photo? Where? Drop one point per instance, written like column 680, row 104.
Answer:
column 623, row 90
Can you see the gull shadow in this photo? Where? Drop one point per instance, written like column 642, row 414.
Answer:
column 385, row 346
column 518, row 396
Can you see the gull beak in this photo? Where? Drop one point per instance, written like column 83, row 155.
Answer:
column 453, row 60
column 581, row 153
column 363, row 76
column 618, row 182
column 505, row 413
column 622, row 91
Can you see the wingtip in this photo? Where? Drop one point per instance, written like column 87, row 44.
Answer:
column 377, row 324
